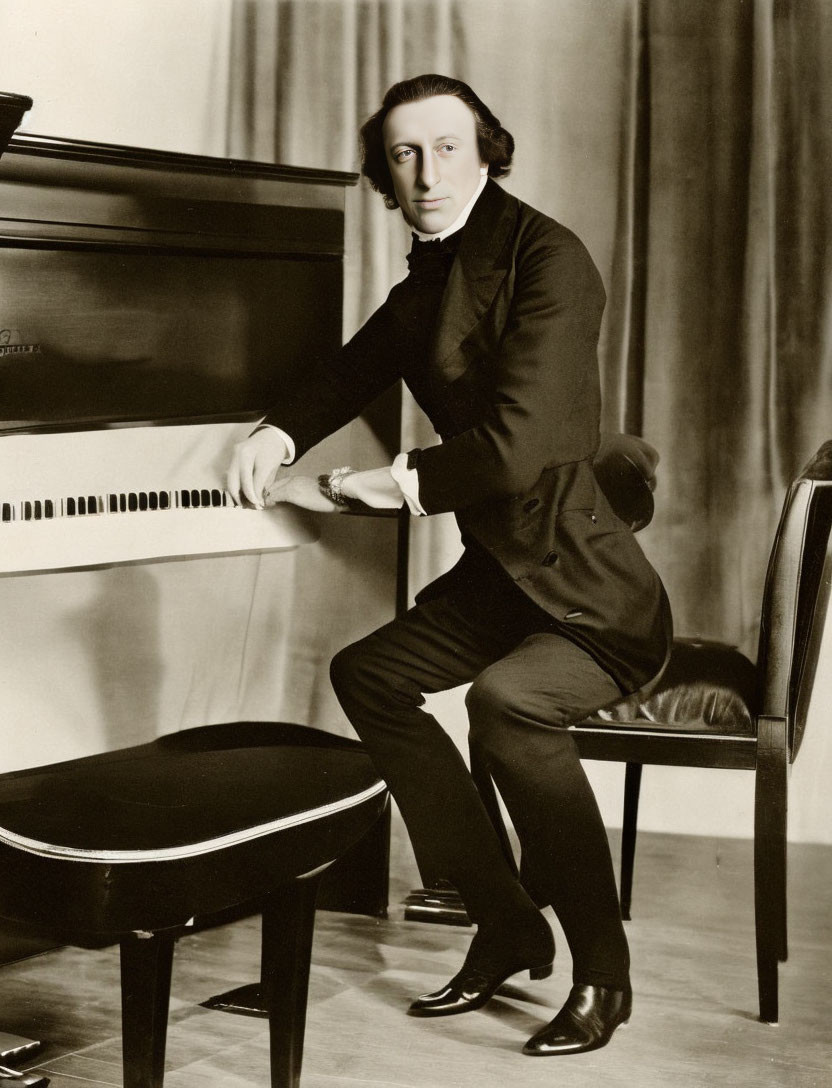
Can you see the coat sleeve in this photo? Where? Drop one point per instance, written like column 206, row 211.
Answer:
column 543, row 384
column 335, row 391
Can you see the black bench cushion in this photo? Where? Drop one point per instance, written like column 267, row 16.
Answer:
column 182, row 794
column 146, row 838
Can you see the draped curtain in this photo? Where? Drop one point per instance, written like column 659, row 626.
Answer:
column 689, row 146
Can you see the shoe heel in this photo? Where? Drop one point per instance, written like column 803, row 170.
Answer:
column 536, row 973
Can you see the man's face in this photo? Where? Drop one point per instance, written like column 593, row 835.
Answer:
column 434, row 160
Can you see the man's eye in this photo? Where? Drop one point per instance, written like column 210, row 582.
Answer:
column 448, row 147
column 403, row 155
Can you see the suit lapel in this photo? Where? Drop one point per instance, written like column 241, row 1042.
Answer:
column 480, row 267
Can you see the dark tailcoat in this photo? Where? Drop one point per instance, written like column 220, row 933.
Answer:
column 511, row 385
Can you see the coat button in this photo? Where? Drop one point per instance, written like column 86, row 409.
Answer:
column 593, row 518
column 530, row 505
column 551, row 558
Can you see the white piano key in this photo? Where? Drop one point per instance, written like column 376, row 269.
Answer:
column 31, row 546
column 121, row 462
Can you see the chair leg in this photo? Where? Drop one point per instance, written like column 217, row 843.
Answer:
column 145, row 994
column 288, row 925
column 782, row 921
column 770, row 812
column 632, row 790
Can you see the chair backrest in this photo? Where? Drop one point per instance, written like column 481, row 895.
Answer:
column 796, row 599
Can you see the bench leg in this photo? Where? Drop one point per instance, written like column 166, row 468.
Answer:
column 145, row 995
column 288, row 924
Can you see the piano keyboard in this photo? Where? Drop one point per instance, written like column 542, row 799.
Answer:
column 80, row 500
column 123, row 502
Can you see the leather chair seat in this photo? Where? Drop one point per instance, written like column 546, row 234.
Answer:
column 146, row 837
column 706, row 687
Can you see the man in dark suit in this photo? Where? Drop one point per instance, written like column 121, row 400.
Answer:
column 552, row 611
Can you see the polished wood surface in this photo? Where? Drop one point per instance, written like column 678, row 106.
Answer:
column 142, row 285
column 693, row 970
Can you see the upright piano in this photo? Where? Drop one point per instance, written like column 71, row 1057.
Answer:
column 152, row 305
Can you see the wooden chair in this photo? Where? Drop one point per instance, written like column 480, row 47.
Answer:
column 132, row 845
column 713, row 708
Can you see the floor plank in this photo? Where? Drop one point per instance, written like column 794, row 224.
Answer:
column 694, row 1022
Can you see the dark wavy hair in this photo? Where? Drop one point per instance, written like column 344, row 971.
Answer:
column 496, row 144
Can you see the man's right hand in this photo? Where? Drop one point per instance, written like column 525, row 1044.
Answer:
column 254, row 465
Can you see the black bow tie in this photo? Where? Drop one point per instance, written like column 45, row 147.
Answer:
column 430, row 262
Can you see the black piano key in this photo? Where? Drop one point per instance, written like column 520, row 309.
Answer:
column 115, row 502
column 7, row 511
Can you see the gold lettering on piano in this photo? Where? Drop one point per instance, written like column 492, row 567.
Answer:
column 8, row 348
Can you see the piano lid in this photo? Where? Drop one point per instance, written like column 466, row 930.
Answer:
column 143, row 286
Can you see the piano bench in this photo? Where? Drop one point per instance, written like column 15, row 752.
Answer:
column 132, row 845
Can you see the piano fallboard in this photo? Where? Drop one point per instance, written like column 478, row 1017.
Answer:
column 92, row 498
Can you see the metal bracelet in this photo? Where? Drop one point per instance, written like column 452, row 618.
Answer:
column 330, row 484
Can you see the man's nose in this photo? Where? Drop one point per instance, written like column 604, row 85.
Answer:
column 429, row 171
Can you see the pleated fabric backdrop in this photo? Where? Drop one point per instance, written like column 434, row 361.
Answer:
column 689, row 146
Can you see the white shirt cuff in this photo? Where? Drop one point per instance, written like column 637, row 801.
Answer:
column 290, row 445
column 408, row 481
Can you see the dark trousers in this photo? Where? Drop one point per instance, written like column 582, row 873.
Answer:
column 528, row 683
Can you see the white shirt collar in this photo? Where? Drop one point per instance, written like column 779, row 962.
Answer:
column 460, row 220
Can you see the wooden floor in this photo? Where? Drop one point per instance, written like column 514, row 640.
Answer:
column 694, row 1022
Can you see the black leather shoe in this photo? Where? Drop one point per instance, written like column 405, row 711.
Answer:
column 586, row 1022
column 492, row 958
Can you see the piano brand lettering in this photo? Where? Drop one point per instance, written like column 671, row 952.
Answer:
column 7, row 348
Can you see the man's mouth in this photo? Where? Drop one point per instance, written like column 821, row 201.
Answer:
column 426, row 205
